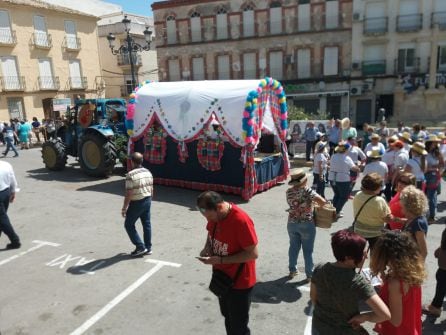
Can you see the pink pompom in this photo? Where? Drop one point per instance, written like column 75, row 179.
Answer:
column 279, row 90
column 259, row 90
column 248, row 139
column 270, row 81
column 250, row 122
column 130, row 111
column 283, row 116
column 136, row 89
column 246, row 114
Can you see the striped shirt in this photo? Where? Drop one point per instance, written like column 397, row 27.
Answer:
column 139, row 182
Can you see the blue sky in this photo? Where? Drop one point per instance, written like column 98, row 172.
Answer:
column 141, row 7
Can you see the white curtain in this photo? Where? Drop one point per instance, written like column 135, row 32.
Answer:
column 75, row 74
column 222, row 26
column 303, row 63
column 275, row 17
column 40, row 33
column 46, row 73
column 10, row 73
column 303, row 17
column 198, row 68
column 331, row 61
column 195, row 26
column 276, row 64
column 249, row 66
column 331, row 14
column 248, row 23
column 70, row 32
column 224, row 71
column 174, row 70
column 171, row 31
column 5, row 27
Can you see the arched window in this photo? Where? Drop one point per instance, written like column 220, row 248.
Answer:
column 171, row 27
column 248, row 20
column 222, row 23
column 275, row 18
column 195, row 26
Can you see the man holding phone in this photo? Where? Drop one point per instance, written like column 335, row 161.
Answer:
column 231, row 241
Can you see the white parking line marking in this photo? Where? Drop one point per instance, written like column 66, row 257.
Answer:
column 39, row 245
column 309, row 322
column 107, row 308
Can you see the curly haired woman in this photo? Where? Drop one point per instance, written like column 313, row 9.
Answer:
column 397, row 260
column 414, row 204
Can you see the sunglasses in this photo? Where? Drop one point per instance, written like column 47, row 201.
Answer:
column 202, row 210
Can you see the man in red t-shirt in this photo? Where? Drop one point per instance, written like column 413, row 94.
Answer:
column 231, row 240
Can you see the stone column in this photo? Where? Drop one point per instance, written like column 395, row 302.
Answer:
column 434, row 58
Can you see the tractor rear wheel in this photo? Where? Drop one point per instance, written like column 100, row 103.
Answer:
column 54, row 155
column 97, row 155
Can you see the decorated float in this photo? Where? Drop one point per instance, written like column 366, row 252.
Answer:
column 226, row 135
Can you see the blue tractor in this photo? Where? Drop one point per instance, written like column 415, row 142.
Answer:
column 94, row 132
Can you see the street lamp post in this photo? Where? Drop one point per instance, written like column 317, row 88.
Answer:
column 131, row 47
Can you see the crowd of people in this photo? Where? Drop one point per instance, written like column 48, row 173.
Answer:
column 401, row 178
column 24, row 133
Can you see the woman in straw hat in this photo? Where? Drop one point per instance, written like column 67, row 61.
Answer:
column 347, row 129
column 301, row 227
column 417, row 164
column 339, row 175
column 320, row 165
column 374, row 142
column 376, row 165
column 435, row 167
column 406, row 139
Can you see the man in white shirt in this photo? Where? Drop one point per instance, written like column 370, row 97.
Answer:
column 8, row 188
column 376, row 165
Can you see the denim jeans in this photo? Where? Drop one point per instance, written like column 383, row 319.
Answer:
column 235, row 308
column 440, row 290
column 10, row 145
column 341, row 192
column 5, row 224
column 309, row 149
column 302, row 234
column 431, row 193
column 320, row 184
column 139, row 209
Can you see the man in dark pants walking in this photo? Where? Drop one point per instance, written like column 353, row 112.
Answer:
column 8, row 187
column 137, row 202
column 309, row 135
column 231, row 241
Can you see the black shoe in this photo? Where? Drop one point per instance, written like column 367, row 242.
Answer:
column 138, row 252
column 15, row 245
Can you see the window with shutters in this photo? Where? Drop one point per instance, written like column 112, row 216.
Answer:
column 223, row 67
column 6, row 34
column 375, row 20
column 249, row 65
column 406, row 59
column 222, row 23
column 71, row 40
column 16, row 108
column 275, row 18
column 439, row 15
column 276, row 64
column 248, row 21
column 303, row 63
column 171, row 29
column 303, row 17
column 174, row 69
column 374, row 59
column 442, row 58
column 41, row 37
column 198, row 68
column 409, row 18
column 330, row 61
column 332, row 14
column 11, row 79
column 195, row 27
column 46, row 78
column 76, row 79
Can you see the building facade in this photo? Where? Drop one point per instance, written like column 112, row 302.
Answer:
column 47, row 52
column 116, row 69
column 399, row 59
column 306, row 44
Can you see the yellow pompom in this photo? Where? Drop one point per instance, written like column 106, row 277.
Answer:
column 276, row 84
column 132, row 95
column 247, row 104
column 130, row 132
column 263, row 82
column 282, row 100
column 254, row 101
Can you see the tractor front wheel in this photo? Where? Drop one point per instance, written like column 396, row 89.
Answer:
column 54, row 155
column 97, row 155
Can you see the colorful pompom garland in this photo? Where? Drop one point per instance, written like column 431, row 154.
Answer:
column 129, row 123
column 249, row 125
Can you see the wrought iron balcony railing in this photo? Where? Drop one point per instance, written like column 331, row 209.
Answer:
column 374, row 67
column 8, row 37
column 48, row 83
column 72, row 43
column 78, row 83
column 409, row 23
column 13, row 83
column 376, row 25
column 42, row 40
column 440, row 19
column 403, row 65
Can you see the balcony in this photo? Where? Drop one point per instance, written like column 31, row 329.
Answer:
column 376, row 26
column 42, row 40
column 78, row 83
column 8, row 37
column 402, row 66
column 374, row 67
column 13, row 83
column 440, row 19
column 409, row 23
column 124, row 60
column 48, row 83
column 71, row 43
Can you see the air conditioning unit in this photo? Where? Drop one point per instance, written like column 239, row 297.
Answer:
column 289, row 59
column 356, row 16
column 356, row 66
column 366, row 87
column 356, row 90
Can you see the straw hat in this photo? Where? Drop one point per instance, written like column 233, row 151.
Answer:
column 419, row 148
column 392, row 139
column 376, row 152
column 405, row 136
column 342, row 147
column 298, row 177
column 432, row 138
column 345, row 123
column 441, row 135
column 375, row 136
column 320, row 145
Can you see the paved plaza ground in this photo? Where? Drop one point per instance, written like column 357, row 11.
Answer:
column 73, row 274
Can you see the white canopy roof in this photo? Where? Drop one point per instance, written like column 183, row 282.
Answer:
column 184, row 107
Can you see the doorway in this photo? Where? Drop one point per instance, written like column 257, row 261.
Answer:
column 363, row 112
column 384, row 101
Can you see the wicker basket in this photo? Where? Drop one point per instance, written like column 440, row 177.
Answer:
column 324, row 216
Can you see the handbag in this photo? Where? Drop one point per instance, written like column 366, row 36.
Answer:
column 325, row 215
column 221, row 283
column 352, row 227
